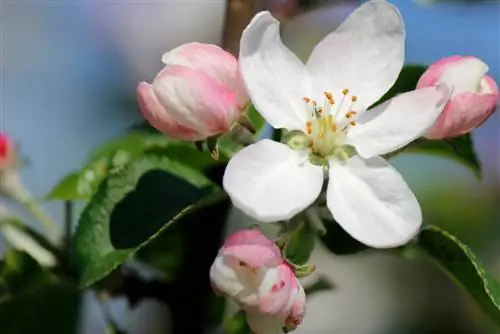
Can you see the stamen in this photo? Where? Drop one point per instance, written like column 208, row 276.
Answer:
column 334, row 127
column 345, row 91
column 350, row 114
column 306, row 99
column 354, row 98
column 353, row 123
column 309, row 127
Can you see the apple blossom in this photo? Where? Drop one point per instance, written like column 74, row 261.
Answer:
column 324, row 106
column 198, row 94
column 474, row 95
column 7, row 152
column 250, row 271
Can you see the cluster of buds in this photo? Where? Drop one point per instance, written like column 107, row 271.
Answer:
column 251, row 271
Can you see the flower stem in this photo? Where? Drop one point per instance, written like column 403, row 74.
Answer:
column 36, row 211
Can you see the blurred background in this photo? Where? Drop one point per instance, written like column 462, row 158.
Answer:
column 68, row 72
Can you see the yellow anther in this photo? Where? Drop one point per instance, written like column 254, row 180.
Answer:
column 354, row 98
column 345, row 91
column 353, row 123
column 306, row 99
column 309, row 127
column 350, row 114
column 334, row 127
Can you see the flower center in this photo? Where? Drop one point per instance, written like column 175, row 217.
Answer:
column 328, row 125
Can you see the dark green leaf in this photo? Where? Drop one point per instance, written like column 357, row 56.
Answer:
column 49, row 309
column 299, row 247
column 130, row 208
column 460, row 149
column 407, row 81
column 339, row 241
column 21, row 273
column 165, row 252
column 461, row 264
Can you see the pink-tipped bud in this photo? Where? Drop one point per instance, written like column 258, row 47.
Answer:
column 474, row 95
column 7, row 152
column 198, row 94
column 251, row 271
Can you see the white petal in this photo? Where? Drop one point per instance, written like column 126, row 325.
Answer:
column 225, row 277
column 464, row 76
column 372, row 202
column 269, row 181
column 397, row 122
column 275, row 78
column 265, row 324
column 365, row 54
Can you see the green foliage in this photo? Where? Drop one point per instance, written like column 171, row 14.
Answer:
column 300, row 245
column 463, row 267
column 257, row 120
column 339, row 242
column 20, row 272
column 130, row 208
column 50, row 308
column 460, row 149
column 82, row 184
column 407, row 81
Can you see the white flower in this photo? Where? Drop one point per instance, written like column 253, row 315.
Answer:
column 325, row 103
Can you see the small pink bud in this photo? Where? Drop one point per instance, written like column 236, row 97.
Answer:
column 198, row 94
column 7, row 152
column 251, row 271
column 474, row 95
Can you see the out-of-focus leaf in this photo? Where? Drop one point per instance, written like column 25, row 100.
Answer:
column 21, row 273
column 48, row 309
column 463, row 267
column 407, row 81
column 299, row 247
column 21, row 237
column 82, row 184
column 339, row 242
column 321, row 284
column 132, row 206
column 460, row 149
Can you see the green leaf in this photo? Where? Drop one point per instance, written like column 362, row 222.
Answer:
column 73, row 186
column 131, row 207
column 165, row 252
column 460, row 149
column 407, row 81
column 82, row 184
column 339, row 242
column 20, row 273
column 461, row 264
column 49, row 309
column 300, row 245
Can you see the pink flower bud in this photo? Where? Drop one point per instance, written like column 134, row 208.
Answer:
column 198, row 94
column 474, row 95
column 251, row 271
column 7, row 152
